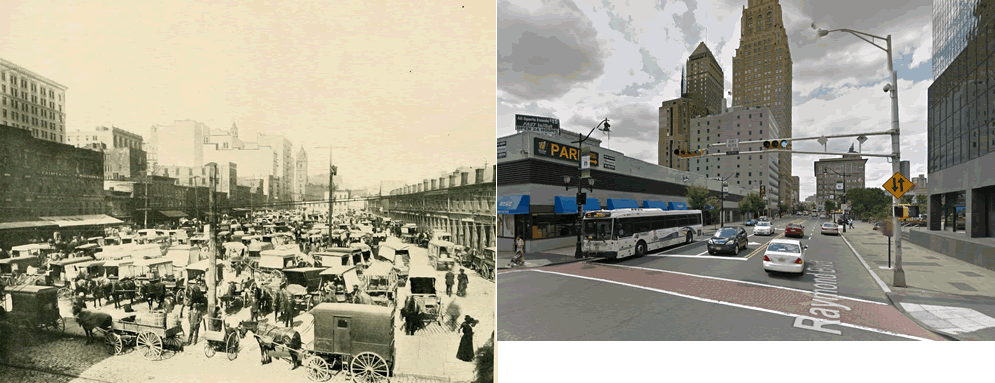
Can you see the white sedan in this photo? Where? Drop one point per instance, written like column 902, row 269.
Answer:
column 830, row 228
column 763, row 228
column 785, row 255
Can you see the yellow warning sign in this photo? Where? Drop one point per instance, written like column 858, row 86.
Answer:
column 898, row 185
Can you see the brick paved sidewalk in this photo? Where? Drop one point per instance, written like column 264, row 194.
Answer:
column 945, row 294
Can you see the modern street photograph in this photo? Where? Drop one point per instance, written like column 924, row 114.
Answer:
column 280, row 191
column 844, row 195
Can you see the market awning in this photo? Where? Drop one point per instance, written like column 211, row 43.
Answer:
column 677, row 206
column 654, row 205
column 513, row 204
column 173, row 213
column 82, row 220
column 619, row 203
column 24, row 224
column 568, row 205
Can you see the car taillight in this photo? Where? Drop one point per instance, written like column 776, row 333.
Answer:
column 766, row 259
column 798, row 261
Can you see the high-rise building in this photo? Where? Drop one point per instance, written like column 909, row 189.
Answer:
column 922, row 187
column 701, row 95
column 960, row 129
column 31, row 102
column 761, row 72
column 124, row 157
column 179, row 144
column 300, row 178
column 833, row 176
column 754, row 169
column 795, row 190
column 284, row 165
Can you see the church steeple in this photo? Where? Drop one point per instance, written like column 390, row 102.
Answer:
column 234, row 130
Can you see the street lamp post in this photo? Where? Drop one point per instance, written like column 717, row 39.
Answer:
column 826, row 172
column 898, row 279
column 579, row 253
column 722, row 198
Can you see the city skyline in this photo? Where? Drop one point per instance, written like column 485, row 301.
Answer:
column 290, row 68
column 627, row 60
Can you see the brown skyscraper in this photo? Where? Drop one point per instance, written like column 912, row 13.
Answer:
column 762, row 73
column 701, row 95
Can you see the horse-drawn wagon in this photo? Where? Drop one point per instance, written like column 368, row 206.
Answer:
column 429, row 303
column 221, row 337
column 354, row 335
column 35, row 308
column 15, row 271
column 148, row 332
column 381, row 282
column 484, row 261
column 304, row 283
column 337, row 283
column 441, row 254
column 339, row 256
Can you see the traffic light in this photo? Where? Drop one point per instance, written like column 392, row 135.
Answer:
column 777, row 144
column 689, row 153
column 763, row 191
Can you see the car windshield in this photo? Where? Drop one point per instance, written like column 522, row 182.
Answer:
column 784, row 248
column 722, row 233
column 763, row 224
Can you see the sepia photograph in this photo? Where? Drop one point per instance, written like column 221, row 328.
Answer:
column 742, row 171
column 257, row 191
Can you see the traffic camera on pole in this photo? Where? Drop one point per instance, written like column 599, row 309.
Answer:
column 777, row 144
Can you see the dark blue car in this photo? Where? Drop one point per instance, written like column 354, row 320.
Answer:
column 751, row 223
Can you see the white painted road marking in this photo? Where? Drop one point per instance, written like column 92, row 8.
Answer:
column 746, row 282
column 690, row 256
column 868, row 268
column 850, row 325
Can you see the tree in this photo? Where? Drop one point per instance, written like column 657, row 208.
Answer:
column 751, row 204
column 782, row 208
column 868, row 201
column 697, row 197
column 713, row 209
column 829, row 205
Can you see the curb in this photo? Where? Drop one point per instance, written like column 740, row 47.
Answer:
column 551, row 264
column 901, row 309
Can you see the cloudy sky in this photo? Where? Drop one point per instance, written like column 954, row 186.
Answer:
column 402, row 90
column 585, row 60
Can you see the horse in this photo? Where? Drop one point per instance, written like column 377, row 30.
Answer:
column 271, row 338
column 129, row 286
column 90, row 320
column 111, row 292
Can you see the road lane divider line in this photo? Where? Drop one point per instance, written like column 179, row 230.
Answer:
column 868, row 268
column 702, row 253
column 724, row 303
column 764, row 245
column 749, row 283
column 692, row 256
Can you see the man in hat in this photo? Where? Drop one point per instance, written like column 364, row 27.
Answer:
column 450, row 280
column 198, row 302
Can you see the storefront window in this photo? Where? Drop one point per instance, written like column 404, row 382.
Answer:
column 553, row 226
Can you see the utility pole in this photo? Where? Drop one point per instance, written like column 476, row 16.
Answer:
column 148, row 180
column 212, row 263
column 331, row 194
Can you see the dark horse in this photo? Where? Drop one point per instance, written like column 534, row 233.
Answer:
column 90, row 320
column 280, row 341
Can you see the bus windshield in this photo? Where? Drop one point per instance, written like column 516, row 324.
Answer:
column 598, row 229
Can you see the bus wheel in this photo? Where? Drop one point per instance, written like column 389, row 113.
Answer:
column 640, row 249
column 688, row 240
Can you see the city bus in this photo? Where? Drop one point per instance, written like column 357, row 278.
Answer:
column 624, row 233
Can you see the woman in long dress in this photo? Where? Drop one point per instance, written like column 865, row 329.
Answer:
column 465, row 352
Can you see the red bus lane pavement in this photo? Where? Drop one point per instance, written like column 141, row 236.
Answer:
column 816, row 310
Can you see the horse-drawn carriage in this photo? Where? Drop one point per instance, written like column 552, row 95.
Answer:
column 61, row 272
column 339, row 256
column 358, row 336
column 337, row 283
column 35, row 308
column 381, row 282
column 441, row 254
column 272, row 263
column 304, row 283
column 483, row 262
column 409, row 233
column 398, row 255
column 199, row 269
column 220, row 337
column 148, row 332
column 429, row 303
column 15, row 271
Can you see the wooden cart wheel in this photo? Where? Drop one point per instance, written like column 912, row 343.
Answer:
column 150, row 345
column 114, row 343
column 317, row 369
column 209, row 349
column 369, row 367
column 231, row 345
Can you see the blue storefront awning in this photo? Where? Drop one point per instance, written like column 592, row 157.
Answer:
column 654, row 205
column 568, row 205
column 618, row 203
column 677, row 206
column 513, row 204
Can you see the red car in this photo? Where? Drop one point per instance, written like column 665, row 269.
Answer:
column 794, row 230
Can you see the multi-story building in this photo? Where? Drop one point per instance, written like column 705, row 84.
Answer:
column 754, row 170
column 179, row 144
column 812, row 199
column 226, row 177
column 762, row 72
column 795, row 190
column 300, row 176
column 124, row 157
column 285, row 168
column 834, row 176
column 955, row 24
column 463, row 206
column 922, row 186
column 699, row 96
column 41, row 177
column 31, row 102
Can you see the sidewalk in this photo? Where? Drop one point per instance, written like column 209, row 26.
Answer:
column 942, row 293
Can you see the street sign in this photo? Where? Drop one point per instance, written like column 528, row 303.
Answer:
column 725, row 189
column 898, row 185
column 839, row 185
column 732, row 152
column 732, row 143
column 886, row 228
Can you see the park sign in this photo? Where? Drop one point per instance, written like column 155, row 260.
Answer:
column 543, row 125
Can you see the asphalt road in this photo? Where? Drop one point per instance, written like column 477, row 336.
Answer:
column 682, row 293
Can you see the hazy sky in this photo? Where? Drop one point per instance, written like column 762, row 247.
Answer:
column 585, row 60
column 403, row 90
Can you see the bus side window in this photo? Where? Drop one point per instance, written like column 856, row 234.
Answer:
column 624, row 228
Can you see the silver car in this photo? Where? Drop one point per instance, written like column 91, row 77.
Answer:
column 830, row 228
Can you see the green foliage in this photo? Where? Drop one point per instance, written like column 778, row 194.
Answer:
column 829, row 205
column 868, row 201
column 698, row 197
column 782, row 208
column 751, row 204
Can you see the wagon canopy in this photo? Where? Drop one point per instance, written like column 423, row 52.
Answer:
column 422, row 285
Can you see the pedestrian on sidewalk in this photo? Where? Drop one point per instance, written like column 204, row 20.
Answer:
column 465, row 351
column 463, row 280
column 851, row 223
column 450, row 280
